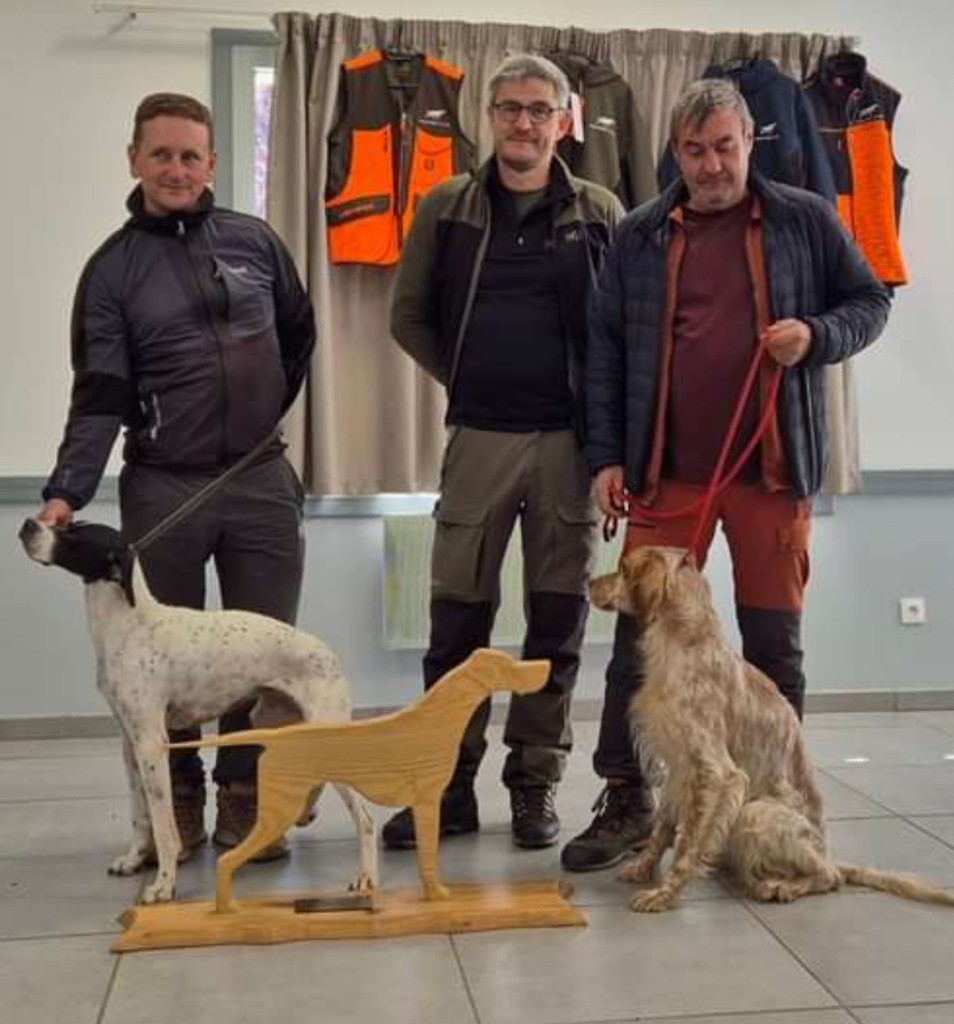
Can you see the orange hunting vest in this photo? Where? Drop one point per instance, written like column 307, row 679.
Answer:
column 868, row 210
column 396, row 136
column 855, row 113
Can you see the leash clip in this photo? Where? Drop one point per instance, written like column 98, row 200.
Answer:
column 619, row 500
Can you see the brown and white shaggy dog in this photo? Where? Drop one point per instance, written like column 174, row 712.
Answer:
column 737, row 787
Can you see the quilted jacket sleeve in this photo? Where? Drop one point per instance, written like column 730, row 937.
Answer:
column 857, row 303
column 606, row 366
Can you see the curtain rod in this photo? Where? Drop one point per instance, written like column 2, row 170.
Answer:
column 132, row 11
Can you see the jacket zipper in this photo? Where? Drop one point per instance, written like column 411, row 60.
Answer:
column 220, row 348
column 471, row 295
column 402, row 171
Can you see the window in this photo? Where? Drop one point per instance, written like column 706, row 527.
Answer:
column 263, row 82
column 243, row 76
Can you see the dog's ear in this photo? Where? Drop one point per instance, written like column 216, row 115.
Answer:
column 127, row 562
column 646, row 572
column 610, row 593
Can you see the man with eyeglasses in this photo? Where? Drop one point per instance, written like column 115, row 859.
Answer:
column 490, row 299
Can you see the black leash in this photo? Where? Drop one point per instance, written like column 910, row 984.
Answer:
column 202, row 495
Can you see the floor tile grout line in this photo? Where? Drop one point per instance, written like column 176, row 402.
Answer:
column 792, row 953
column 109, row 989
column 947, row 732
column 925, row 832
column 757, row 1015
column 858, row 792
column 54, row 936
column 862, row 817
column 903, row 1006
column 455, row 952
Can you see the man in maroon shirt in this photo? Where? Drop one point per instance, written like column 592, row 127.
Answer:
column 695, row 278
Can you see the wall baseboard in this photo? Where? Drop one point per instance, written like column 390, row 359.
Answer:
column 60, row 727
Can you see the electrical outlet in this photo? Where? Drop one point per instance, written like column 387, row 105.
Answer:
column 913, row 611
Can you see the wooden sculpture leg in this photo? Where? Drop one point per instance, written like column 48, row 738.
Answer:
column 271, row 823
column 426, row 828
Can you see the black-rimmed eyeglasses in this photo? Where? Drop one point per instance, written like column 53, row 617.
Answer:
column 510, row 111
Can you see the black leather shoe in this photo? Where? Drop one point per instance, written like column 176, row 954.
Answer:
column 533, row 822
column 458, row 817
column 621, row 825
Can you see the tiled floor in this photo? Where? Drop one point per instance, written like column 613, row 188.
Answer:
column 852, row 957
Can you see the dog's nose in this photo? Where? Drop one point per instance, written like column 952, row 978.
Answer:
column 30, row 528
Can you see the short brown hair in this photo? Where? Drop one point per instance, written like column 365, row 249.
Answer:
column 705, row 97
column 172, row 104
column 522, row 66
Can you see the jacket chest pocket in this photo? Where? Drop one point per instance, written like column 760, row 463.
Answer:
column 249, row 309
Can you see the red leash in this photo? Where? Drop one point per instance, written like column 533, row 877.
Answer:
column 718, row 483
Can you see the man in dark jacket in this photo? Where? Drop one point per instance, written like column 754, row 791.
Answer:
column 192, row 330
column 694, row 278
column 491, row 300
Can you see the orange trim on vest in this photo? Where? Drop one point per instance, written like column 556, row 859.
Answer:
column 362, row 227
column 364, row 60
column 443, row 68
column 391, row 168
column 869, row 211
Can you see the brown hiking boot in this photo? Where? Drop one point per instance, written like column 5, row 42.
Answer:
column 237, row 802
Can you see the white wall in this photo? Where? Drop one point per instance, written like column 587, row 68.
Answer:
column 871, row 552
column 68, row 85
column 69, row 81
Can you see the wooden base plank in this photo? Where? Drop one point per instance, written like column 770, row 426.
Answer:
column 272, row 919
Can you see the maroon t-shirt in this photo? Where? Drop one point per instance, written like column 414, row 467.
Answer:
column 713, row 343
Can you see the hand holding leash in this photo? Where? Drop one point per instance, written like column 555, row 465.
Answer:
column 610, row 493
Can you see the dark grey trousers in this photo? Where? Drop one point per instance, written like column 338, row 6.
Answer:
column 251, row 529
column 490, row 480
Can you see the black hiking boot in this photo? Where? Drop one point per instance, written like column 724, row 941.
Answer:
column 458, row 817
column 621, row 825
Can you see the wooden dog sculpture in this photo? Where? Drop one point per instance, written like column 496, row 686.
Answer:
column 156, row 663
column 738, row 785
column 402, row 759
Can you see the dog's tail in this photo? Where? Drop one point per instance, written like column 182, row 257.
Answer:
column 909, row 886
column 245, row 738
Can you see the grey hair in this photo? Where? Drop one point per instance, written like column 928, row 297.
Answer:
column 705, row 97
column 529, row 65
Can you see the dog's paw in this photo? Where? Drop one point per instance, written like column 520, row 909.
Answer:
column 652, row 901
column 775, row 892
column 130, row 863
column 639, row 870
column 158, row 892
column 364, row 883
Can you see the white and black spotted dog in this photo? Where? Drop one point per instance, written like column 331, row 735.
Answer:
column 157, row 664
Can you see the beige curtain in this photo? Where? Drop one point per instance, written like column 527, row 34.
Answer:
column 371, row 422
